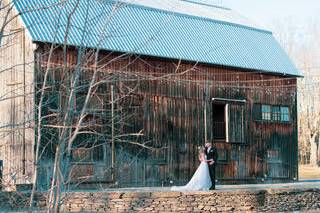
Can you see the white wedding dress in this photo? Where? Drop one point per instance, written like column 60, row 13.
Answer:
column 200, row 181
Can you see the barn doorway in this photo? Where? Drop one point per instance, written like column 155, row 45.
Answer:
column 219, row 121
column 228, row 120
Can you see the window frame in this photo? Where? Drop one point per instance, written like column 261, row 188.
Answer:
column 288, row 114
column 275, row 113
column 85, row 144
column 95, row 154
column 266, row 115
column 230, row 114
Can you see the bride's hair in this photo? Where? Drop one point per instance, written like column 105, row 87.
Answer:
column 200, row 152
column 201, row 149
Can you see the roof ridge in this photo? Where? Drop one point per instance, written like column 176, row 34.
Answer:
column 209, row 5
column 132, row 4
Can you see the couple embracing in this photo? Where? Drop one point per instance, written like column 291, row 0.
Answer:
column 204, row 177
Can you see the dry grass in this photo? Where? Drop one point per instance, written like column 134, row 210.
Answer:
column 309, row 172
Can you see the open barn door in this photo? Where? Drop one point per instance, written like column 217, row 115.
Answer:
column 228, row 120
column 236, row 123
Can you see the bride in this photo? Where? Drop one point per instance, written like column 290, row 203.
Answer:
column 200, row 181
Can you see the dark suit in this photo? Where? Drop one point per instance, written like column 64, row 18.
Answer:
column 212, row 154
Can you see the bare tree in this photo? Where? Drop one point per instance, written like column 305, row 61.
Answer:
column 71, row 99
column 302, row 44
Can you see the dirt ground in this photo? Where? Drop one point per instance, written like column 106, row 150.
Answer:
column 309, row 172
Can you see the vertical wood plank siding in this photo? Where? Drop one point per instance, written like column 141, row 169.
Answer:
column 171, row 115
column 16, row 103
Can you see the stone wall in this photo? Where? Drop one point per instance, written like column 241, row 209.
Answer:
column 274, row 200
column 217, row 201
column 20, row 200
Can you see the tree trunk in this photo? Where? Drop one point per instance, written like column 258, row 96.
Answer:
column 318, row 151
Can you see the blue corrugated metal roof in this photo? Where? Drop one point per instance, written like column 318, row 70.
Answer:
column 148, row 31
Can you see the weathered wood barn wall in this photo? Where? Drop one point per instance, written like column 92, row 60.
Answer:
column 16, row 102
column 168, row 105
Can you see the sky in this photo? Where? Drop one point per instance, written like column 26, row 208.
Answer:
column 266, row 12
column 293, row 18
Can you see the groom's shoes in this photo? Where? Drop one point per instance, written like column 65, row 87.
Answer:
column 212, row 188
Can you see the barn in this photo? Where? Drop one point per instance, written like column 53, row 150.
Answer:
column 163, row 77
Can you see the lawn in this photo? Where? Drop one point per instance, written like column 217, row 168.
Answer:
column 309, row 172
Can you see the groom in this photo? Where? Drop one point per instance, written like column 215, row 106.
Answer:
column 212, row 157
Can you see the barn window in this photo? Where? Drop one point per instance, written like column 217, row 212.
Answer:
column 276, row 113
column 219, row 118
column 273, row 113
column 87, row 149
column 91, row 154
column 266, row 112
column 285, row 115
column 81, row 155
column 229, row 121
